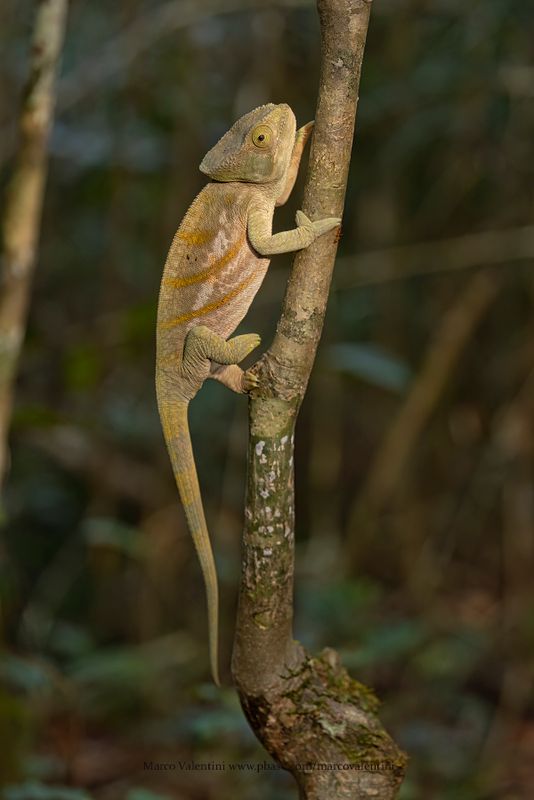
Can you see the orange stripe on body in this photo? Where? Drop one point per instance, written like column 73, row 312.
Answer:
column 199, row 312
column 217, row 266
column 195, row 237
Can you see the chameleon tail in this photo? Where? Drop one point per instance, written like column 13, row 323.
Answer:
column 178, row 439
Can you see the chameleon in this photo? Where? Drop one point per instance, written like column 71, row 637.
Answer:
column 215, row 265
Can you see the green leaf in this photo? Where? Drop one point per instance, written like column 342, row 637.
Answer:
column 453, row 657
column 371, row 364
column 145, row 794
column 83, row 366
column 67, row 639
column 138, row 322
column 15, row 734
column 386, row 644
column 24, row 674
column 34, row 415
column 123, row 679
column 39, row 791
column 110, row 533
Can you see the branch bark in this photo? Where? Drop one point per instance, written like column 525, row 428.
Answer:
column 24, row 197
column 310, row 715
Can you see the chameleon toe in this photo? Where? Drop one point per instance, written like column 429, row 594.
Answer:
column 250, row 381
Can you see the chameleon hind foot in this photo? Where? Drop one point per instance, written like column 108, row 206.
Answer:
column 250, row 381
column 234, row 378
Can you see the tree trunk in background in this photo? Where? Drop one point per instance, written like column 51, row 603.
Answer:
column 310, row 715
column 24, row 198
column 390, row 463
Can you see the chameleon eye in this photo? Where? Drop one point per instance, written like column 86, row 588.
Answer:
column 262, row 136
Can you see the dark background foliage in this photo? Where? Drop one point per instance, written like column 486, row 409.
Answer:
column 425, row 586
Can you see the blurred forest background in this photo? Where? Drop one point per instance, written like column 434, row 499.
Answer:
column 415, row 451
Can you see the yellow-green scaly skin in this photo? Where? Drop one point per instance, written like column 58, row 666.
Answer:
column 215, row 266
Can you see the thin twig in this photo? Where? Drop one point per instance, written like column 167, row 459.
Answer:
column 484, row 249
column 480, row 251
column 439, row 363
column 139, row 37
column 24, row 197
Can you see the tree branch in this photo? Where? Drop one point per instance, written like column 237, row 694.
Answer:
column 484, row 249
column 306, row 711
column 24, row 197
column 115, row 56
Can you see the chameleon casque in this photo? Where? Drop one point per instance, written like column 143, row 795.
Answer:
column 216, row 264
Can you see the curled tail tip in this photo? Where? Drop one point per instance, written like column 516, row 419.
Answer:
column 215, row 671
column 215, row 675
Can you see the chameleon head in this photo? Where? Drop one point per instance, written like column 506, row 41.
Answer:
column 256, row 149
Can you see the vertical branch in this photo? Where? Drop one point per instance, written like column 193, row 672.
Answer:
column 309, row 714
column 24, row 197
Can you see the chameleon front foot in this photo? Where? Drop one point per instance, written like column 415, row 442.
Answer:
column 319, row 226
column 243, row 345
